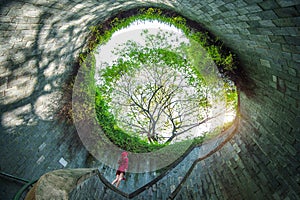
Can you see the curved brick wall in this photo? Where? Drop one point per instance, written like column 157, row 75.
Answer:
column 41, row 39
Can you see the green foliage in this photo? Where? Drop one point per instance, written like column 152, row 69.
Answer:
column 115, row 71
column 223, row 58
column 118, row 136
column 198, row 140
column 132, row 57
column 146, row 55
column 101, row 34
column 231, row 95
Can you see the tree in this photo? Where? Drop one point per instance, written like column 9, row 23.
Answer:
column 154, row 91
column 157, row 102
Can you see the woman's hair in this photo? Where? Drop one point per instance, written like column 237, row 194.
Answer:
column 124, row 154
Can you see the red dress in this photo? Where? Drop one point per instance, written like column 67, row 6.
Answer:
column 123, row 165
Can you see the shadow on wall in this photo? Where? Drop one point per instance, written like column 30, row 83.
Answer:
column 41, row 43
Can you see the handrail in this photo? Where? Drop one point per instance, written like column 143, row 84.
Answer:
column 110, row 186
column 184, row 179
column 25, row 187
column 21, row 191
column 14, row 177
column 147, row 185
column 163, row 174
column 166, row 171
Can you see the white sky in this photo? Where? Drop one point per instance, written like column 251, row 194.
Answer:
column 132, row 32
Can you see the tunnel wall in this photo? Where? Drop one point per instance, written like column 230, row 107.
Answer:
column 40, row 41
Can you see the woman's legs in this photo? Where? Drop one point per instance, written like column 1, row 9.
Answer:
column 119, row 179
column 116, row 179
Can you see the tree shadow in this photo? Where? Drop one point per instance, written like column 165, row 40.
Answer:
column 40, row 58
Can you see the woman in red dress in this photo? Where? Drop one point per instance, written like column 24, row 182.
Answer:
column 123, row 165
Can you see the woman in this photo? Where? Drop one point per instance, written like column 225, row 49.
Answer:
column 123, row 165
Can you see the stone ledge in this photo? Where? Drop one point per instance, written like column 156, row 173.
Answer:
column 58, row 184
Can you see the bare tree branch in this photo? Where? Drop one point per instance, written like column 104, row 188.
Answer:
column 155, row 98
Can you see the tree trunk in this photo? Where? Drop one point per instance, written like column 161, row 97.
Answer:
column 170, row 138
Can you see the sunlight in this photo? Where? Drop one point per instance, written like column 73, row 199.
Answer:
column 229, row 116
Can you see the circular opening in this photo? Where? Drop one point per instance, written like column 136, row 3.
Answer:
column 160, row 85
column 157, row 86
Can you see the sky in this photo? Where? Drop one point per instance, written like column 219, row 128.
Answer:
column 133, row 32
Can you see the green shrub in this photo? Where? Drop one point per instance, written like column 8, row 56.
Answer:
column 100, row 34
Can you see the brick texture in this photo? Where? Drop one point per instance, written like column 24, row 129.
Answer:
column 40, row 41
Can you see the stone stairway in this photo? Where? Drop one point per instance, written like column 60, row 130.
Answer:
column 11, row 185
column 180, row 181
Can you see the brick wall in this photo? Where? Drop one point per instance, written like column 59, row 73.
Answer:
column 40, row 40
